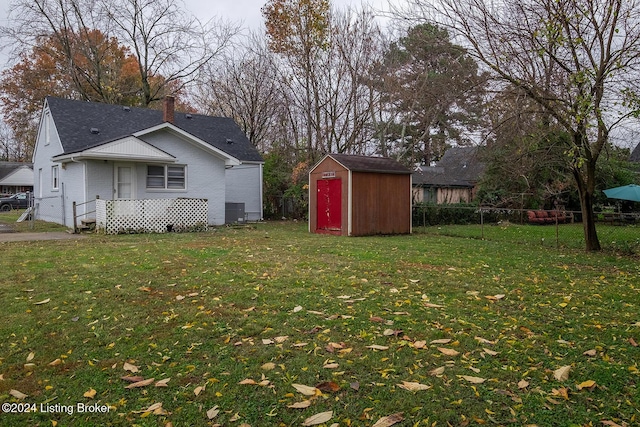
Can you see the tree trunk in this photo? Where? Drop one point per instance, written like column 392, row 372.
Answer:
column 588, row 221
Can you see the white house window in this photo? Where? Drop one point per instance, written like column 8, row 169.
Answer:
column 166, row 177
column 55, row 178
column 47, row 128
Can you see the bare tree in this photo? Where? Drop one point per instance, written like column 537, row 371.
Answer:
column 578, row 59
column 245, row 85
column 169, row 45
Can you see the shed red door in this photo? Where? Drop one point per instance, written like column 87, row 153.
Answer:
column 329, row 204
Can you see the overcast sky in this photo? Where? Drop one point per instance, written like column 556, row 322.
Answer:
column 246, row 11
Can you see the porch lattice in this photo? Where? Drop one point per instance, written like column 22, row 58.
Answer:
column 151, row 215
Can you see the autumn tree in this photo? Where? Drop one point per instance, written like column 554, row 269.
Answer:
column 577, row 59
column 298, row 30
column 107, row 74
column 170, row 47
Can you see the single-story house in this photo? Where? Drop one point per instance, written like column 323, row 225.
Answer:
column 453, row 179
column 359, row 195
column 15, row 177
column 88, row 150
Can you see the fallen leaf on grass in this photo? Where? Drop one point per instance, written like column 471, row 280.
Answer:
column 589, row 384
column 389, row 332
column 248, row 381
column 378, row 347
column 131, row 368
column 376, row 319
column 55, row 362
column 590, row 353
column 562, row 391
column 267, row 341
column 132, row 379
column 142, row 383
column 448, row 351
column 163, row 383
column 320, row 418
column 300, row 405
column 441, row 341
column 44, row 301
column 17, row 394
column 331, row 366
column 213, row 412
column 282, row 339
column 494, row 297
column 522, row 384
column 473, row 380
column 328, row 386
column 198, row 390
column 91, row 393
column 389, row 420
column 419, row 344
column 268, row 366
column 437, row 371
column 413, row 386
column 490, row 352
column 633, row 342
column 610, row 423
column 305, row 389
column 430, row 305
column 484, row 341
column 562, row 374
column 297, row 308
column 31, row 356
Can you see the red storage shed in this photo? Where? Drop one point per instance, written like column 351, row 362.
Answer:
column 359, row 196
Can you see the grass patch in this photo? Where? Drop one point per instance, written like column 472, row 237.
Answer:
column 355, row 317
column 10, row 218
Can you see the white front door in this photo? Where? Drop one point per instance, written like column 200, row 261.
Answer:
column 124, row 185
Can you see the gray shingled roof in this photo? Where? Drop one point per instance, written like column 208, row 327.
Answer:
column 370, row 164
column 6, row 168
column 635, row 154
column 459, row 167
column 74, row 121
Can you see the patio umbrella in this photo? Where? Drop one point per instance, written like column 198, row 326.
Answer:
column 626, row 192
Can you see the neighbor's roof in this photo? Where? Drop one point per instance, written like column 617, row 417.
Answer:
column 459, row 167
column 370, row 164
column 7, row 168
column 635, row 154
column 74, row 121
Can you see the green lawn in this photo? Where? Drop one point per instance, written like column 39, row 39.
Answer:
column 445, row 330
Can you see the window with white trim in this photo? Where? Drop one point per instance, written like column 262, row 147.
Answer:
column 166, row 177
column 55, row 178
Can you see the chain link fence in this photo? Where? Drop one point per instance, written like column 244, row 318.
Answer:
column 617, row 232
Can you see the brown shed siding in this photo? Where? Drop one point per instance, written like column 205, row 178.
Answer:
column 381, row 204
column 372, row 201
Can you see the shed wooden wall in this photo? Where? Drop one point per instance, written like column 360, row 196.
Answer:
column 381, row 203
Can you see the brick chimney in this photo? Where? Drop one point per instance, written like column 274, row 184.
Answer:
column 168, row 109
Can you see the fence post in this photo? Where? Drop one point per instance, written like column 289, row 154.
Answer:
column 482, row 222
column 75, row 221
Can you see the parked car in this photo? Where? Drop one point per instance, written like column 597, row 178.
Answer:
column 17, row 201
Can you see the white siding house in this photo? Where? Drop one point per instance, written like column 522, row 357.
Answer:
column 87, row 149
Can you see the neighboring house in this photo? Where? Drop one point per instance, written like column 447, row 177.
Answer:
column 15, row 177
column 452, row 180
column 88, row 149
column 635, row 154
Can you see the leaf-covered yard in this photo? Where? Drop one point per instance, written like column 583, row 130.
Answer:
column 271, row 325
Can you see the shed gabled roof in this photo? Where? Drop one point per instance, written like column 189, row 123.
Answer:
column 459, row 167
column 75, row 120
column 370, row 164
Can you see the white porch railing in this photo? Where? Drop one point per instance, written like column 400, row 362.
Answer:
column 151, row 215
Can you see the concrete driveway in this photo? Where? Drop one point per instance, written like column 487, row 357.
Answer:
column 50, row 235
